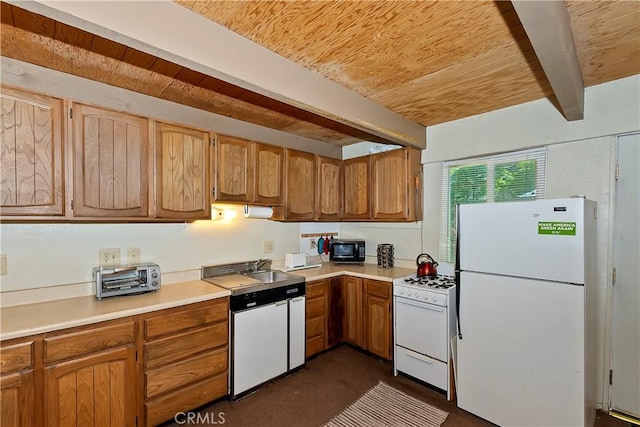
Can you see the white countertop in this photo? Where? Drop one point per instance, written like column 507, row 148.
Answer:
column 30, row 319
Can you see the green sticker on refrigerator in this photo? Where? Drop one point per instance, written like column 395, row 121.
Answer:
column 557, row 228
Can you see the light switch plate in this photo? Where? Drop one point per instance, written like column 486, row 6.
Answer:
column 268, row 246
column 133, row 256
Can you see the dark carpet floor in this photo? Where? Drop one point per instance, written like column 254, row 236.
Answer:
column 326, row 385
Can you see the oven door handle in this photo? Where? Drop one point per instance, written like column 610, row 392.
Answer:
column 400, row 300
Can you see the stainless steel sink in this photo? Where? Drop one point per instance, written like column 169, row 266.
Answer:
column 275, row 277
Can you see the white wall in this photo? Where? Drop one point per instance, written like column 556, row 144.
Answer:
column 44, row 255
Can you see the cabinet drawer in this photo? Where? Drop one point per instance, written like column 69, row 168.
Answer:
column 88, row 340
column 166, row 407
column 378, row 288
column 424, row 368
column 177, row 375
column 181, row 346
column 315, row 289
column 315, row 326
column 181, row 319
column 15, row 357
column 315, row 345
column 314, row 308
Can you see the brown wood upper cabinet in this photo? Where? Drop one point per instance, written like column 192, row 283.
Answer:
column 182, row 172
column 300, row 185
column 247, row 172
column 269, row 174
column 111, row 164
column 31, row 154
column 396, row 185
column 233, row 170
column 356, row 188
column 329, row 189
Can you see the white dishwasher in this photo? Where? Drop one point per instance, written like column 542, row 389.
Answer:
column 268, row 335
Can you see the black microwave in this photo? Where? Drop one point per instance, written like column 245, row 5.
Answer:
column 347, row 251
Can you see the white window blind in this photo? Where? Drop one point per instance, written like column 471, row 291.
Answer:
column 517, row 176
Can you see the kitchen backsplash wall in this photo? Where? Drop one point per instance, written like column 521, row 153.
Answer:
column 45, row 255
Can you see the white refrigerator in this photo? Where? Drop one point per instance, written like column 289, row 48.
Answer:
column 526, row 312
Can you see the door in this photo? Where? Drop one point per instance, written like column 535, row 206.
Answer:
column 431, row 341
column 356, row 188
column 389, row 185
column 111, row 177
column 353, row 310
column 182, row 172
column 522, row 349
column 625, row 334
column 269, row 176
column 259, row 345
column 233, row 170
column 517, row 239
column 329, row 197
column 93, row 390
column 301, row 184
column 31, row 154
column 17, row 399
column 297, row 338
column 377, row 327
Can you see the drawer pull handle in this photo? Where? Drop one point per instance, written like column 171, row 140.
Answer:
column 419, row 357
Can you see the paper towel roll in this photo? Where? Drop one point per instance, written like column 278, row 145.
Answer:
column 257, row 211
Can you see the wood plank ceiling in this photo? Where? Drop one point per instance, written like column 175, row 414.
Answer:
column 429, row 61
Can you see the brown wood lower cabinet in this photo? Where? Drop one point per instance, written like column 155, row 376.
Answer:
column 17, row 384
column 137, row 370
column 98, row 389
column 349, row 309
column 377, row 318
column 185, row 358
column 315, row 315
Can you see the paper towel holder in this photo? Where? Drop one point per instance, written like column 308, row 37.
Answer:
column 264, row 212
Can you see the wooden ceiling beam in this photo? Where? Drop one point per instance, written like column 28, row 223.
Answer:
column 548, row 28
column 174, row 33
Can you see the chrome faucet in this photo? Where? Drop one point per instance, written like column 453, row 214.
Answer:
column 261, row 263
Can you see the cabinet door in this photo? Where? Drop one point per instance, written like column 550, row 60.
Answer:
column 396, row 181
column 182, row 172
column 354, row 310
column 31, row 154
column 377, row 326
column 389, row 185
column 356, row 188
column 301, row 184
column 17, row 401
column 329, row 197
column 269, row 174
column 110, row 163
column 233, row 170
column 93, row 390
column 315, row 315
column 336, row 311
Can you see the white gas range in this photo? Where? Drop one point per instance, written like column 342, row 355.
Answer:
column 424, row 324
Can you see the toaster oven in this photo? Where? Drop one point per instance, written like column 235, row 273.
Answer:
column 126, row 279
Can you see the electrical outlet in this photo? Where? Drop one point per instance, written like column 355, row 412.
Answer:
column 267, row 246
column 312, row 243
column 109, row 256
column 133, row 256
column 3, row 264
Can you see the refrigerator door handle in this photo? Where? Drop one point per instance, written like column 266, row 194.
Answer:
column 457, row 270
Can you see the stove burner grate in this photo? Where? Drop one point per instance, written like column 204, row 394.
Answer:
column 438, row 282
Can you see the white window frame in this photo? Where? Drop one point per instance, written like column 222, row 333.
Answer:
column 538, row 154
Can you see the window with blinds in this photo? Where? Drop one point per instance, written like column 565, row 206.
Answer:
column 517, row 176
